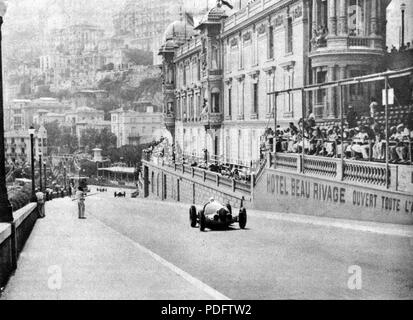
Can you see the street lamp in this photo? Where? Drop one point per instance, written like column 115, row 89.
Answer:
column 31, row 133
column 403, row 8
column 40, row 171
column 45, row 175
column 6, row 210
column 64, row 178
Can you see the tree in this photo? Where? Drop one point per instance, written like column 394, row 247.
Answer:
column 63, row 94
column 130, row 154
column 69, row 141
column 139, row 57
column 43, row 91
column 92, row 138
column 107, row 106
column 54, row 136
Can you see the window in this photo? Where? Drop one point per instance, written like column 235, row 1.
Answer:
column 255, row 97
column 271, row 42
column 356, row 90
column 356, row 17
column 289, row 47
column 321, row 93
column 215, row 100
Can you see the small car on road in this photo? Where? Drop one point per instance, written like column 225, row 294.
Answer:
column 214, row 215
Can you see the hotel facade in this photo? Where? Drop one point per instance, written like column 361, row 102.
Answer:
column 217, row 76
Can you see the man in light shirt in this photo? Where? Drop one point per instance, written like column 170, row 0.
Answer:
column 80, row 196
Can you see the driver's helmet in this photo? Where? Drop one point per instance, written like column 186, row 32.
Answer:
column 211, row 200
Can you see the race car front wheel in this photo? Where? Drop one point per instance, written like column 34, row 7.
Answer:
column 202, row 221
column 192, row 216
column 242, row 218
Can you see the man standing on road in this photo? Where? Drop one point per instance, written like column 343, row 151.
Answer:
column 40, row 203
column 80, row 196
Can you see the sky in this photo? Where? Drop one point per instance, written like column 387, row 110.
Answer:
column 394, row 22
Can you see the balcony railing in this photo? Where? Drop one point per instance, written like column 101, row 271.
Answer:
column 358, row 42
column 212, row 120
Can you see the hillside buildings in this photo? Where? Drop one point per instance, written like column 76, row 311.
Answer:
column 17, row 145
column 134, row 127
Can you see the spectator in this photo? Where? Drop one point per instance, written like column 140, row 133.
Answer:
column 293, row 128
column 373, row 107
column 351, row 117
column 360, row 142
column 40, row 203
column 378, row 148
column 398, row 150
column 311, row 119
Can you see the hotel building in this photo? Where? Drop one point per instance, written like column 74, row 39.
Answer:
column 217, row 76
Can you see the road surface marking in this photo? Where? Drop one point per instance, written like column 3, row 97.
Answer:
column 194, row 281
column 364, row 226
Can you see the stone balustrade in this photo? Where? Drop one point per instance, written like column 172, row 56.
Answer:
column 353, row 171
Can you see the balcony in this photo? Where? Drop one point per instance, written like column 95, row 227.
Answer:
column 357, row 42
column 340, row 43
column 212, row 120
column 217, row 72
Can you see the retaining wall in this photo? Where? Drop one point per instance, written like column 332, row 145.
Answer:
column 13, row 236
column 193, row 185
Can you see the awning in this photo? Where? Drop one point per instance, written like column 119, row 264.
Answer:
column 119, row 170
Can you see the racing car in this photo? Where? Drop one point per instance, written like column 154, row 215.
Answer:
column 215, row 215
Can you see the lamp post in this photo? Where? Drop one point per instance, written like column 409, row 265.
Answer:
column 40, row 171
column 403, row 9
column 6, row 211
column 31, row 133
column 45, row 175
column 64, row 178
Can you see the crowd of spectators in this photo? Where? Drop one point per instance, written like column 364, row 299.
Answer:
column 407, row 46
column 353, row 140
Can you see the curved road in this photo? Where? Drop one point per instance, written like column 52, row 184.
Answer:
column 271, row 259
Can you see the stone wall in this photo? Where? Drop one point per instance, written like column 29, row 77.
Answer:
column 13, row 236
column 287, row 192
column 173, row 184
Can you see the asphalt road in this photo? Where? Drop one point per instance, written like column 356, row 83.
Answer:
column 270, row 259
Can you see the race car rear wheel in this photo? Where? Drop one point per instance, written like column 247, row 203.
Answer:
column 202, row 221
column 192, row 216
column 242, row 218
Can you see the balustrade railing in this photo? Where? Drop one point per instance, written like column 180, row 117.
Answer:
column 287, row 161
column 208, row 176
column 320, row 166
column 368, row 173
column 358, row 42
column 365, row 173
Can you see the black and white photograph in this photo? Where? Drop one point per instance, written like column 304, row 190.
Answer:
column 205, row 151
